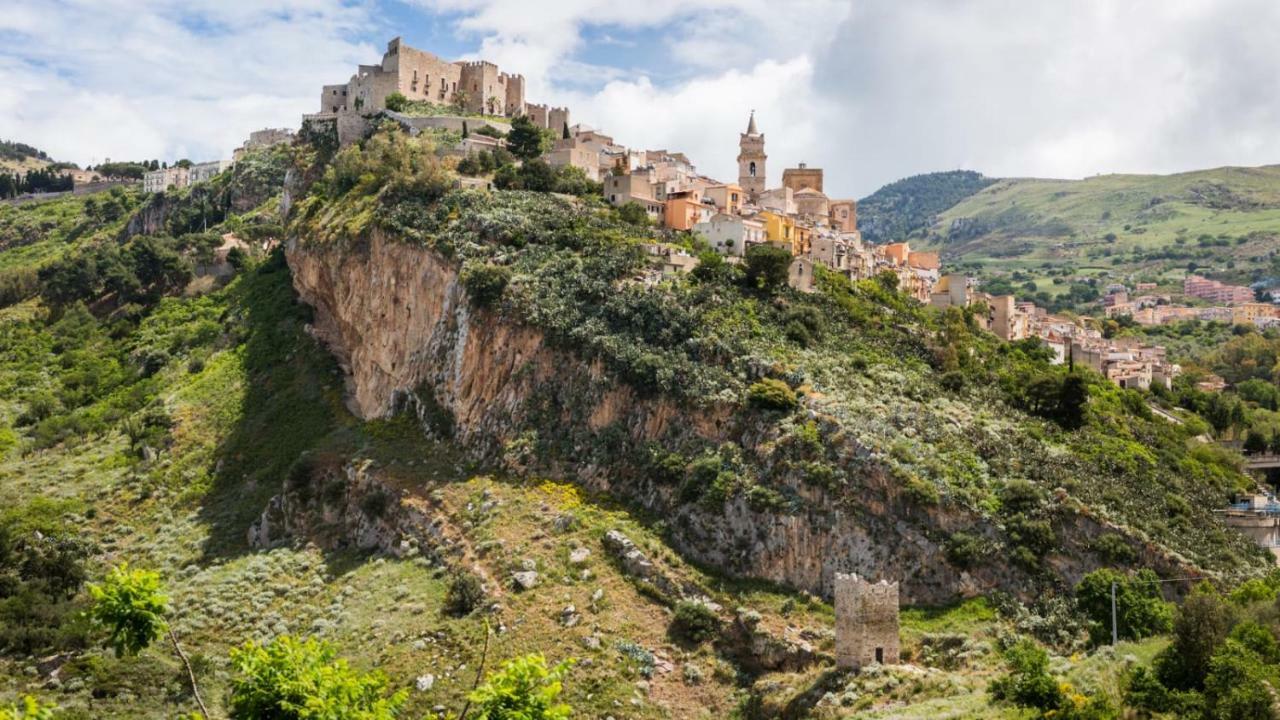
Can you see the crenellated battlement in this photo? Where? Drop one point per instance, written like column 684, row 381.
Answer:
column 478, row 86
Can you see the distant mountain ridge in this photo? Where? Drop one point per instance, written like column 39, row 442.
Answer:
column 907, row 206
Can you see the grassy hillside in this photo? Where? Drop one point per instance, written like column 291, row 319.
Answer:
column 149, row 419
column 1222, row 222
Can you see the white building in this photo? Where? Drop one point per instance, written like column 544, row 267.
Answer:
column 731, row 234
column 200, row 172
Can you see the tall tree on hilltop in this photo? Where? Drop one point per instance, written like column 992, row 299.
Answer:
column 526, row 140
column 565, row 134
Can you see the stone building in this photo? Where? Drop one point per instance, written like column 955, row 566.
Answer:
column 165, row 179
column 866, row 622
column 800, row 178
column 751, row 160
column 551, row 118
column 844, row 215
column 199, row 172
column 265, row 137
column 478, row 86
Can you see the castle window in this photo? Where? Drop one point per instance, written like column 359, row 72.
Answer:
column 880, row 655
column 752, row 170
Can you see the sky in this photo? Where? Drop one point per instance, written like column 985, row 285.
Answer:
column 869, row 90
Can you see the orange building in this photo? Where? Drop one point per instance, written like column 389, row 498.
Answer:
column 684, row 209
column 728, row 197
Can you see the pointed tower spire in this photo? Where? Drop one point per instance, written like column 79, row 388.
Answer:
column 751, row 124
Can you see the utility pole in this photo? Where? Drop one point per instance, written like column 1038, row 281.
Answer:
column 1115, row 635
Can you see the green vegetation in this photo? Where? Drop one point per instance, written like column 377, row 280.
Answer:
column 527, row 141
column 524, row 688
column 130, row 606
column 1056, row 241
column 772, row 394
column 293, row 679
column 903, row 209
column 694, row 622
column 28, row 709
column 150, row 418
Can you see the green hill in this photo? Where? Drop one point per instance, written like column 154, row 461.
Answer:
column 901, row 209
column 1221, row 222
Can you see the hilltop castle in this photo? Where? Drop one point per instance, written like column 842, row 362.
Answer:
column 474, row 86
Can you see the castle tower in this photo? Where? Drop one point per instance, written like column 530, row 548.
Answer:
column 866, row 622
column 751, row 157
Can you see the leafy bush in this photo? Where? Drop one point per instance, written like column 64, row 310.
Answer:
column 1140, row 611
column 29, row 709
column 464, row 594
column 130, row 606
column 1200, row 625
column 291, row 679
column 524, row 689
column 485, row 282
column 1028, row 682
column 771, row 394
column 964, row 549
column 396, row 102
column 694, row 622
column 767, row 267
column 41, row 571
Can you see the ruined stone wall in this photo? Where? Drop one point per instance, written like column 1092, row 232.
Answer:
column 866, row 622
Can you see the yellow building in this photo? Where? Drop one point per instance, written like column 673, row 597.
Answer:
column 779, row 229
column 802, row 239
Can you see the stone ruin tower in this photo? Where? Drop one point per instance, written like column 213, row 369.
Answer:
column 866, row 622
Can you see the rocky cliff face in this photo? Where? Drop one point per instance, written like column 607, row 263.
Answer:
column 399, row 321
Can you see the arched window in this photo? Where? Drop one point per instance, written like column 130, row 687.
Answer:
column 752, row 169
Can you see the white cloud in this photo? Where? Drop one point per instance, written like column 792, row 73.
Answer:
column 704, row 116
column 90, row 79
column 871, row 90
column 1063, row 89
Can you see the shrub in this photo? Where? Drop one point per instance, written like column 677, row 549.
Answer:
column 291, row 679
column 463, row 595
column 1200, row 625
column 484, row 282
column 397, row 102
column 1028, row 682
column 694, row 622
column 964, row 549
column 634, row 213
column 30, row 709
column 375, row 503
column 1113, row 549
column 129, row 604
column 767, row 267
column 1140, row 611
column 524, row 689
column 771, row 394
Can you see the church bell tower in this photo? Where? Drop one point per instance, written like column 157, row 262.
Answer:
column 751, row 159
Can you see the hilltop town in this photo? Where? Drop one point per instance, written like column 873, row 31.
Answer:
column 730, row 216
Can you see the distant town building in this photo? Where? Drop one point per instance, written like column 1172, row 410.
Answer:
column 751, row 160
column 265, row 137
column 199, row 172
column 165, row 179
column 1197, row 286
